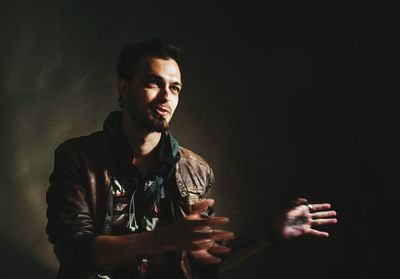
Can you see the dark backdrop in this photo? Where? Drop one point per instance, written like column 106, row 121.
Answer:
column 284, row 98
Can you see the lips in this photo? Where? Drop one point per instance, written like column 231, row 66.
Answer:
column 162, row 109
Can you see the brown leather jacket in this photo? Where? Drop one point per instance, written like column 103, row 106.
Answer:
column 78, row 194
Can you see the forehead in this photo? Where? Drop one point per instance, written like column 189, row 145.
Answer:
column 166, row 68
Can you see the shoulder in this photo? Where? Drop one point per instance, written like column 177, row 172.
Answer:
column 80, row 144
column 193, row 162
column 76, row 156
column 189, row 155
column 195, row 175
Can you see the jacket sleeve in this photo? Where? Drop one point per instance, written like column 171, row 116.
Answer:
column 70, row 225
column 246, row 246
column 211, row 180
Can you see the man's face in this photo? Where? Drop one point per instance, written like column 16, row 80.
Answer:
column 152, row 96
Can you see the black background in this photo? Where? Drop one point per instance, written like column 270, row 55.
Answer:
column 283, row 98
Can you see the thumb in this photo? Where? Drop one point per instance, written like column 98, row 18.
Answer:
column 300, row 201
column 201, row 205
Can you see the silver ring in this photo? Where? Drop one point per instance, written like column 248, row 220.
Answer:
column 310, row 207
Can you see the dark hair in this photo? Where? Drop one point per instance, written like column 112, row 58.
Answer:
column 131, row 55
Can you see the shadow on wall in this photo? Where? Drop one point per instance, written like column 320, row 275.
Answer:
column 17, row 264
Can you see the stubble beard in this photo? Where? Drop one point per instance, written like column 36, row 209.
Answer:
column 149, row 119
column 156, row 123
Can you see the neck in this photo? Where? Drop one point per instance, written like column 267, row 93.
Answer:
column 142, row 141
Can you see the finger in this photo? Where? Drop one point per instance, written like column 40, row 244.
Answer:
column 218, row 235
column 317, row 233
column 205, row 257
column 194, row 241
column 200, row 240
column 206, row 222
column 323, row 214
column 319, row 222
column 201, row 205
column 202, row 244
column 211, row 246
column 320, row 206
column 299, row 201
column 219, row 249
column 206, row 235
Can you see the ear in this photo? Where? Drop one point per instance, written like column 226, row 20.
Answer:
column 123, row 88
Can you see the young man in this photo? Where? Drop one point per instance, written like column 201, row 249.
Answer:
column 129, row 202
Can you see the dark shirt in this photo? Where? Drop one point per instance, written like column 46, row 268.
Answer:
column 138, row 200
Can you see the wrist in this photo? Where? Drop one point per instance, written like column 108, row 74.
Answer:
column 149, row 244
column 273, row 234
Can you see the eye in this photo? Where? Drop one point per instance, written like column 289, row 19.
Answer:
column 175, row 89
column 153, row 83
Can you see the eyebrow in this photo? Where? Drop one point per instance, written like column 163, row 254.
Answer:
column 161, row 78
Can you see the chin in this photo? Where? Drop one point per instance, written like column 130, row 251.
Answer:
column 160, row 128
column 158, row 125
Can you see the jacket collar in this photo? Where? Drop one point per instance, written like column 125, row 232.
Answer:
column 168, row 147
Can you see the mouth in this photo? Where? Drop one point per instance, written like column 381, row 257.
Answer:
column 162, row 110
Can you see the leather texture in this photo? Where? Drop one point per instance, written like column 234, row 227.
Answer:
column 78, row 194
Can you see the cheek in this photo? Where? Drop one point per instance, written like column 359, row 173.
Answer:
column 146, row 96
column 174, row 103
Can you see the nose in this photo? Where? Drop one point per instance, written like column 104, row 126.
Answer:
column 164, row 94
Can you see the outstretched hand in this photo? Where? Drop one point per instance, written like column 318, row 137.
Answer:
column 303, row 217
column 209, row 249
